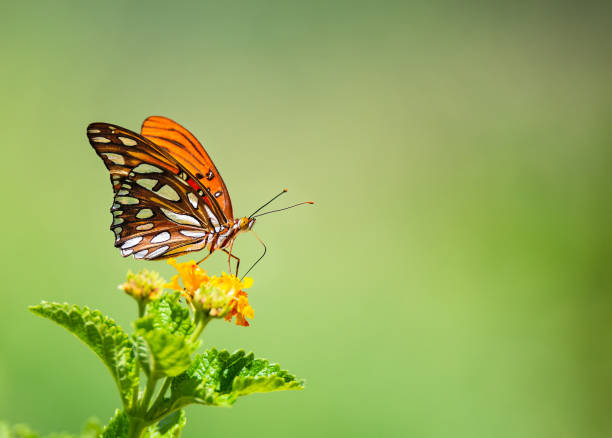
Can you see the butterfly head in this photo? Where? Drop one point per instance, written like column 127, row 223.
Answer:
column 246, row 223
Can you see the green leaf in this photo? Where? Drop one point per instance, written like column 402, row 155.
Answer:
column 168, row 427
column 167, row 313
column 218, row 378
column 142, row 353
column 170, row 354
column 100, row 333
column 165, row 347
column 118, row 427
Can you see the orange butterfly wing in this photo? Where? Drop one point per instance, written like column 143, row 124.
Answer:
column 179, row 143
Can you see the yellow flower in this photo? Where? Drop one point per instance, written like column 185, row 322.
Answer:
column 144, row 286
column 218, row 297
column 191, row 275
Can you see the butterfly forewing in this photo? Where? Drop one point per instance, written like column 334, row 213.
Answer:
column 159, row 210
column 121, row 151
column 187, row 150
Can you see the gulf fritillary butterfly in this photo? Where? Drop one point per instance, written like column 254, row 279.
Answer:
column 169, row 198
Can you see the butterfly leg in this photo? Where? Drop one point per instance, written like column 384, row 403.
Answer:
column 209, row 254
column 229, row 260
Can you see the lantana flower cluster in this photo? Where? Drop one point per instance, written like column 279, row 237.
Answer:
column 143, row 286
column 210, row 296
column 217, row 297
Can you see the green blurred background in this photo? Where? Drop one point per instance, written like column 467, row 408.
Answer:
column 454, row 277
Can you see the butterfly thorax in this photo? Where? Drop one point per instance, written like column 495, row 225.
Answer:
column 224, row 235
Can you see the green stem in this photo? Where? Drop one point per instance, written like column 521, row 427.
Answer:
column 135, row 394
column 142, row 307
column 137, row 428
column 149, row 390
column 201, row 323
column 160, row 396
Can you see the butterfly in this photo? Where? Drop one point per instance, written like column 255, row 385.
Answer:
column 169, row 198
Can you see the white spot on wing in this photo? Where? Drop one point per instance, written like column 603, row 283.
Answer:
column 144, row 227
column 145, row 213
column 117, row 221
column 146, row 183
column 189, row 233
column 126, row 252
column 161, row 237
column 123, row 192
column 100, row 140
column 141, row 254
column 127, row 141
column 93, row 131
column 158, row 251
column 183, row 219
column 114, row 158
column 193, row 199
column 213, row 219
column 146, row 168
column 168, row 193
column 126, row 200
column 131, row 242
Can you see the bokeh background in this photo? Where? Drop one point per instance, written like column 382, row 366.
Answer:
column 454, row 277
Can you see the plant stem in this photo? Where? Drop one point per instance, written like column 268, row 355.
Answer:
column 137, row 427
column 142, row 307
column 149, row 390
column 162, row 392
column 200, row 325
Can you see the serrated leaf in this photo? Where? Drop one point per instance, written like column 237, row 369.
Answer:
column 165, row 330
column 167, row 313
column 100, row 333
column 142, row 353
column 118, row 427
column 170, row 354
column 218, row 378
column 168, row 427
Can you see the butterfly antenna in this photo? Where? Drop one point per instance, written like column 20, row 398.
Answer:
column 281, row 193
column 262, row 256
column 286, row 208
